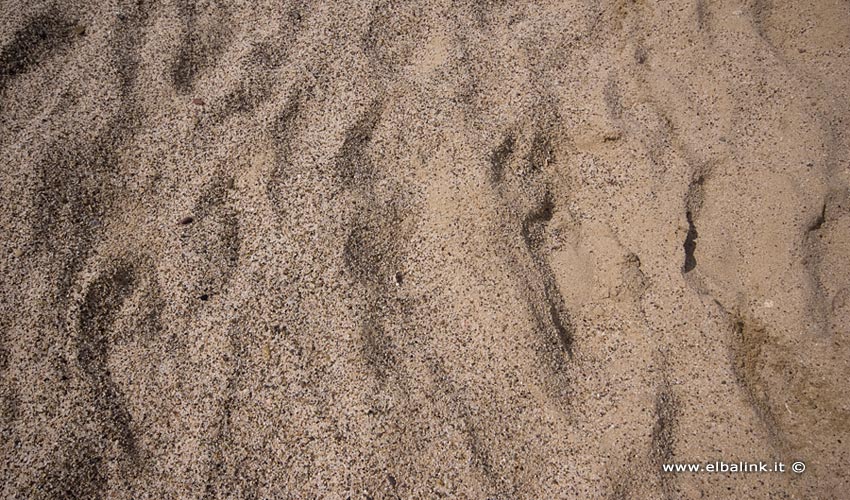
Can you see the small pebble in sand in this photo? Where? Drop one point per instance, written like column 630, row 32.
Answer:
column 768, row 304
column 80, row 30
column 18, row 253
column 186, row 220
column 204, row 297
column 198, row 101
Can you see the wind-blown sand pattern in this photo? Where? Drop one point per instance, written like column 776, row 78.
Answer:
column 479, row 249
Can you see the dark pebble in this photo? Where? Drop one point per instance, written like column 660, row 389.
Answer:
column 198, row 101
column 186, row 220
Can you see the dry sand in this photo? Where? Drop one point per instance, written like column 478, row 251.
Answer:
column 423, row 249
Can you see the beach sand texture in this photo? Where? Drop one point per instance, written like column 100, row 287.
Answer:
column 421, row 249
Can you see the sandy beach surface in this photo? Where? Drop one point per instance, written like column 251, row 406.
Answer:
column 424, row 249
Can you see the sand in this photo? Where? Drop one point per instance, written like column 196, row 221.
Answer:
column 423, row 249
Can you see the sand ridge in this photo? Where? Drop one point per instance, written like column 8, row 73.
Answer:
column 370, row 249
